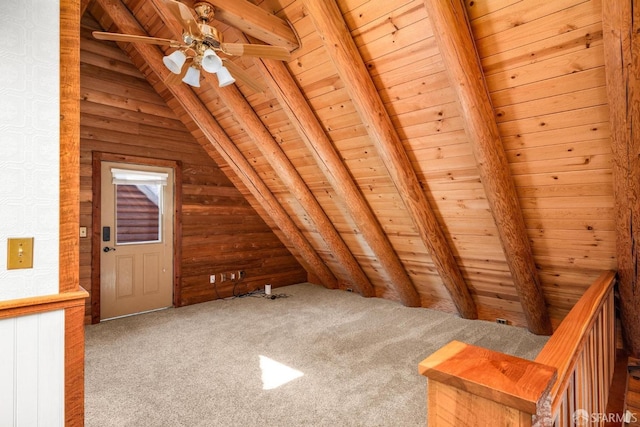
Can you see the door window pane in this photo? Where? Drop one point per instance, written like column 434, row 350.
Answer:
column 138, row 212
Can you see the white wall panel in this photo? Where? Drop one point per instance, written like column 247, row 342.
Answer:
column 7, row 372
column 51, row 368
column 26, row 370
column 32, row 381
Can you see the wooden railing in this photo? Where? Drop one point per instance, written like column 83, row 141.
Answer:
column 567, row 384
column 583, row 350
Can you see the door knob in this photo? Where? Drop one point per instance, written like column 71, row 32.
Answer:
column 108, row 249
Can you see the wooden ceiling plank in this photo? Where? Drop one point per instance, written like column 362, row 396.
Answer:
column 84, row 4
column 225, row 147
column 255, row 21
column 461, row 60
column 302, row 117
column 347, row 59
column 621, row 25
column 275, row 156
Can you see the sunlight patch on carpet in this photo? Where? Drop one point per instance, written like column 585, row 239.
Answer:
column 275, row 374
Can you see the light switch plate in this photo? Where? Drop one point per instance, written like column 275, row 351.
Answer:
column 83, row 231
column 19, row 253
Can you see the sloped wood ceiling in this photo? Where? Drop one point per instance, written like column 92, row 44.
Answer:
column 387, row 166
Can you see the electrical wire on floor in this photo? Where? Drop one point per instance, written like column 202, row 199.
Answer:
column 256, row 293
column 215, row 288
column 273, row 296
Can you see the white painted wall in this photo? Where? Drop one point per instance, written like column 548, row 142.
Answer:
column 29, row 142
column 31, row 347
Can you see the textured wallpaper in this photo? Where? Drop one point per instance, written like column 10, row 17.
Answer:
column 29, row 142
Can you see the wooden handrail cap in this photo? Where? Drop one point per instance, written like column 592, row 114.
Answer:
column 518, row 383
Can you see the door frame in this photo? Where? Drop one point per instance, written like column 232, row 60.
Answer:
column 98, row 158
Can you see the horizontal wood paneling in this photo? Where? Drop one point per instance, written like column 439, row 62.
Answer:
column 423, row 108
column 221, row 232
column 545, row 71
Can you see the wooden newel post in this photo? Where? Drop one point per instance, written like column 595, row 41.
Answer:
column 473, row 386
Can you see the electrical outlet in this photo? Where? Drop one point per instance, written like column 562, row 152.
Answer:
column 223, row 277
column 241, row 274
column 212, row 278
column 502, row 321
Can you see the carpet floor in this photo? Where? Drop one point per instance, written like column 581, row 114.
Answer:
column 311, row 357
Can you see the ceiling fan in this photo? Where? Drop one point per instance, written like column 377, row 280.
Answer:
column 202, row 48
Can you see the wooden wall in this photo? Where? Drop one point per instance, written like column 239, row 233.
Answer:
column 122, row 114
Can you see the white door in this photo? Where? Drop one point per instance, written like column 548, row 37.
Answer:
column 136, row 257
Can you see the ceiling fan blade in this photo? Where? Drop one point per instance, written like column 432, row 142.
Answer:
column 257, row 50
column 184, row 16
column 130, row 38
column 239, row 74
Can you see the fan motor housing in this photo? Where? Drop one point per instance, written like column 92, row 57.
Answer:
column 211, row 36
column 204, row 10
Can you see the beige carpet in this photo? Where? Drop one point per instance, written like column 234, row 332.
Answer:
column 350, row 361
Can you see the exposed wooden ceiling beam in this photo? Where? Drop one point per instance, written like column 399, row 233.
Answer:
column 453, row 34
column 301, row 115
column 328, row 160
column 253, row 20
column 286, row 171
column 216, row 136
column 343, row 52
column 84, row 5
column 621, row 32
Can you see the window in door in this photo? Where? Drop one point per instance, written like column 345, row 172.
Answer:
column 138, row 216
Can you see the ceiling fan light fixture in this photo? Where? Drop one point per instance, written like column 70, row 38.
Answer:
column 175, row 61
column 211, row 62
column 224, row 77
column 192, row 77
